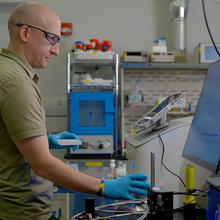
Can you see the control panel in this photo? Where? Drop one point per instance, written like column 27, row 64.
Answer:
column 102, row 144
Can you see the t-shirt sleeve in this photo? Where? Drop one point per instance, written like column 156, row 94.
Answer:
column 22, row 109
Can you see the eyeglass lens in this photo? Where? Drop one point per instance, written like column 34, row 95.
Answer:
column 52, row 38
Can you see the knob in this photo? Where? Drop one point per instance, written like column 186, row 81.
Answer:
column 101, row 146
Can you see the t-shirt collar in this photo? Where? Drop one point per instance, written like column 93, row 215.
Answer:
column 13, row 55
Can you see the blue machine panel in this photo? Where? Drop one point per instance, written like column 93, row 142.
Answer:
column 91, row 113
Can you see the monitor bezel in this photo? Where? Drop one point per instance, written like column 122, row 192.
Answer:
column 214, row 68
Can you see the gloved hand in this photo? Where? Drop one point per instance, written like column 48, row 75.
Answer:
column 53, row 140
column 121, row 188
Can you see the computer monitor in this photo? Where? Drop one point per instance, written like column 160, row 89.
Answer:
column 156, row 117
column 203, row 142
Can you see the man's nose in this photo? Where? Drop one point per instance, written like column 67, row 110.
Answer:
column 55, row 49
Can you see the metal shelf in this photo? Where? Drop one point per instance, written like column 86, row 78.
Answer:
column 164, row 66
column 93, row 63
column 97, row 101
column 91, row 88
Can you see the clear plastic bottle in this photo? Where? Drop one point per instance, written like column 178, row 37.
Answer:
column 121, row 170
column 159, row 45
column 112, row 169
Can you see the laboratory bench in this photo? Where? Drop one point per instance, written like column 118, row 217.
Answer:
column 81, row 205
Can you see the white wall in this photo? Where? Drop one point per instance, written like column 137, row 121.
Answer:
column 129, row 24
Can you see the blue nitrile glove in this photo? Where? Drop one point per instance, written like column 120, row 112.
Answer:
column 121, row 188
column 53, row 140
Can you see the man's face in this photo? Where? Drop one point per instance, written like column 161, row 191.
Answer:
column 41, row 46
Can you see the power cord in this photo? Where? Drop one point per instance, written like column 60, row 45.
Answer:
column 199, row 196
column 118, row 213
column 190, row 191
column 163, row 162
column 204, row 194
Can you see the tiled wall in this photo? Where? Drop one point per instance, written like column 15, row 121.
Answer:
column 155, row 83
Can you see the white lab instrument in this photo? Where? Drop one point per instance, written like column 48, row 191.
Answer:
column 207, row 53
column 136, row 56
column 178, row 14
column 163, row 57
column 141, row 145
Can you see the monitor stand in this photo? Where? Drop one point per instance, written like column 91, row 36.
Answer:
column 162, row 123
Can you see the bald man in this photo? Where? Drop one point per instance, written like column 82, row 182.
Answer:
column 27, row 167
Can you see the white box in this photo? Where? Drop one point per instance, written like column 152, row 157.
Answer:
column 166, row 57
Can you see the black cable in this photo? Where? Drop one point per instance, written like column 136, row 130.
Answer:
column 199, row 190
column 190, row 194
column 169, row 211
column 218, row 167
column 198, row 205
column 200, row 196
column 207, row 26
column 163, row 162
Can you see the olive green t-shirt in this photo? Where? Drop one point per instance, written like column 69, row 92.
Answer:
column 23, row 195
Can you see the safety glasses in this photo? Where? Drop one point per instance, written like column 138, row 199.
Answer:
column 52, row 38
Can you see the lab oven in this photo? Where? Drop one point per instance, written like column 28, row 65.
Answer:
column 94, row 110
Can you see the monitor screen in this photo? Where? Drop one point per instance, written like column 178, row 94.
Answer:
column 167, row 101
column 203, row 141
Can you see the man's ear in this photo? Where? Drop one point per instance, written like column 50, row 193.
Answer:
column 24, row 33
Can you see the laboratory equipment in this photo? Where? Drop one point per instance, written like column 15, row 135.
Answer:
column 189, row 200
column 159, row 53
column 94, row 109
column 189, row 184
column 156, row 117
column 207, row 53
column 202, row 145
column 178, row 12
column 141, row 145
column 130, row 210
column 162, row 199
column 162, row 205
column 162, row 57
column 136, row 56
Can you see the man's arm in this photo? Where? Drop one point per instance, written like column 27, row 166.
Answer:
column 36, row 151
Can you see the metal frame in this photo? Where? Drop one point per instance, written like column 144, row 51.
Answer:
column 115, row 88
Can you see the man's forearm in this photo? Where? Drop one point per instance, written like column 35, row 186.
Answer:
column 36, row 151
column 68, row 177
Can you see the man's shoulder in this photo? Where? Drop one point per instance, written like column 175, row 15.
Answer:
column 9, row 70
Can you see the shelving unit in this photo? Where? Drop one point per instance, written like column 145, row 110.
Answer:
column 165, row 65
column 155, row 80
column 94, row 106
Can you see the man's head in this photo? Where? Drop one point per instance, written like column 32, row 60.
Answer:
column 34, row 31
